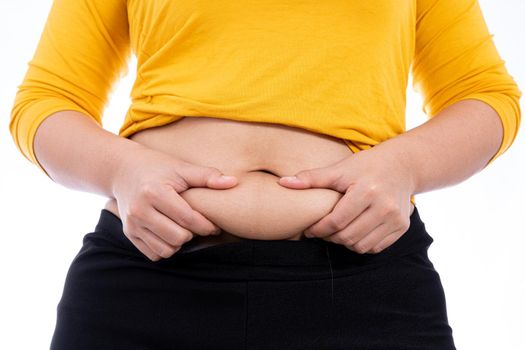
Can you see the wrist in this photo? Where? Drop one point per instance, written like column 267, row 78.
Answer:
column 399, row 149
column 123, row 155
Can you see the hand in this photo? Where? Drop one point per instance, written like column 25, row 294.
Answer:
column 156, row 219
column 375, row 208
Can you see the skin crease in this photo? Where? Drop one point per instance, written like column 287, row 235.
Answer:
column 266, row 211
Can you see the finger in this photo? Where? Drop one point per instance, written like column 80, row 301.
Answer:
column 346, row 210
column 199, row 176
column 372, row 239
column 172, row 205
column 395, row 225
column 168, row 230
column 387, row 241
column 358, row 229
column 144, row 248
column 156, row 244
column 325, row 177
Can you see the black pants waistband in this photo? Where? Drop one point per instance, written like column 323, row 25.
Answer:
column 307, row 252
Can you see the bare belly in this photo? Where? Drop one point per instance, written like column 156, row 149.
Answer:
column 258, row 154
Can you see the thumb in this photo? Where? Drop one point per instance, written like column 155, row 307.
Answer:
column 312, row 178
column 202, row 176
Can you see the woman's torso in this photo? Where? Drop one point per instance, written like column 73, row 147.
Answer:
column 257, row 207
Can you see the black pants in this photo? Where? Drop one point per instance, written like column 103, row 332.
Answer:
column 255, row 294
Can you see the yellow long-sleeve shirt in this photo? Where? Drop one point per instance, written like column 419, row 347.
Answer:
column 333, row 67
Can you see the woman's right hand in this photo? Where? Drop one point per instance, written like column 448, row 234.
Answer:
column 155, row 218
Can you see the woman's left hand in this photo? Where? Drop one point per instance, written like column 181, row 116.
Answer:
column 375, row 209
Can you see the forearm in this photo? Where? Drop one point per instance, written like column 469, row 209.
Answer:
column 450, row 147
column 77, row 153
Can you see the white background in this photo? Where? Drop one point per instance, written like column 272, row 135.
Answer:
column 478, row 226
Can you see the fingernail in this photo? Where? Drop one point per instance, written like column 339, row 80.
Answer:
column 226, row 178
column 290, row 178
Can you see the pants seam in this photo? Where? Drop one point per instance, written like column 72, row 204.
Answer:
column 331, row 274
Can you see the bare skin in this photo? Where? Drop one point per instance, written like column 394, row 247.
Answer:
column 257, row 154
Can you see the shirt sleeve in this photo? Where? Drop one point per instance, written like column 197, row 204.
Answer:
column 455, row 59
column 83, row 50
